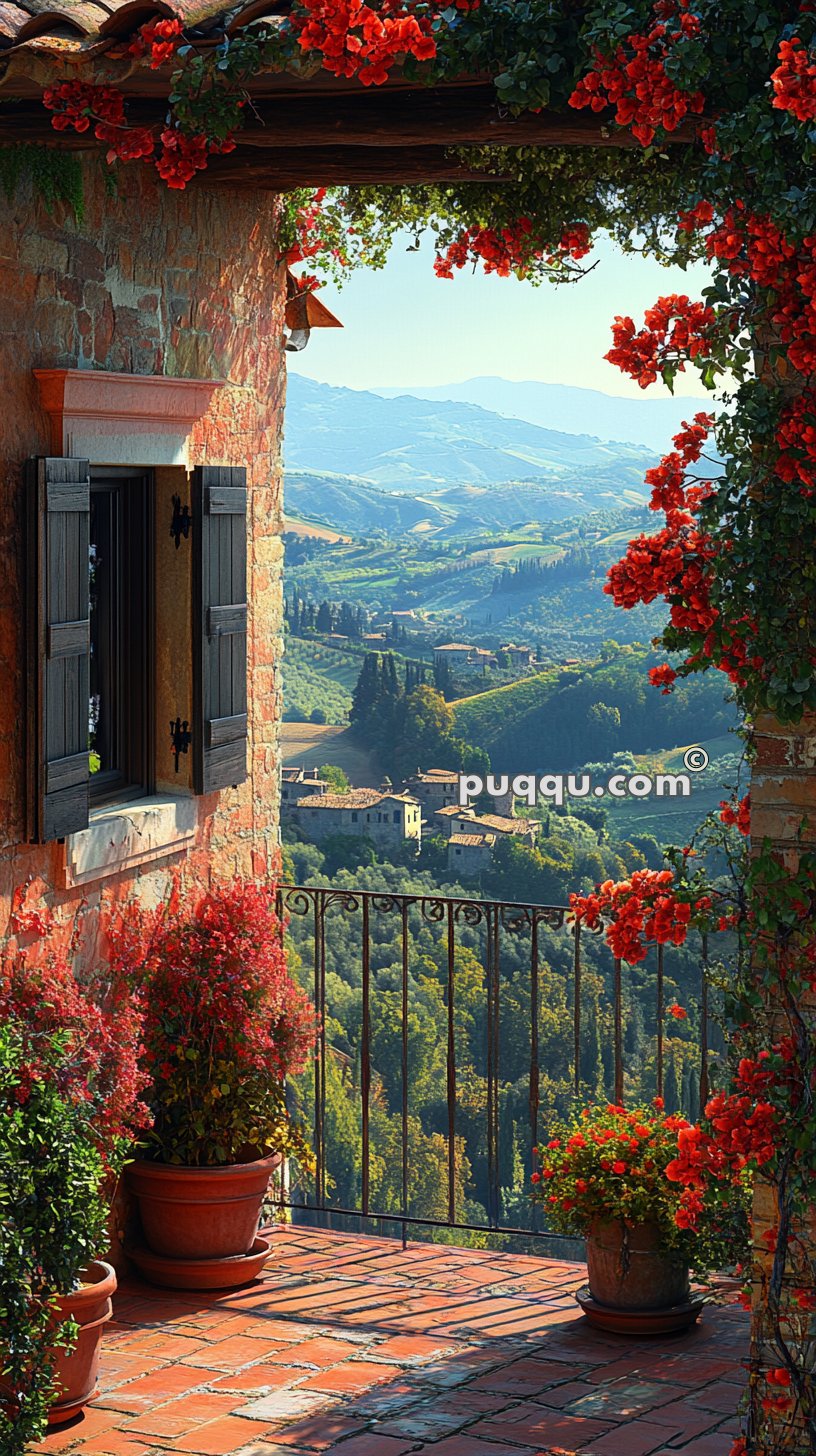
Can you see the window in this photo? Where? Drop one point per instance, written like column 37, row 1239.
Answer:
column 354, row 816
column 396, row 816
column 120, row 711
column 91, row 707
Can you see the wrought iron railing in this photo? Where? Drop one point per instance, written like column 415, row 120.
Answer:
column 366, row 949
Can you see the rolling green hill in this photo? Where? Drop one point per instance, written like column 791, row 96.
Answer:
column 547, row 723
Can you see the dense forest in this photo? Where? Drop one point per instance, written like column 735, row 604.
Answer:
column 575, row 854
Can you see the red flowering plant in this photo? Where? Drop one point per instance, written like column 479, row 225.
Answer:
column 224, row 1025
column 613, row 1164
column 97, row 1023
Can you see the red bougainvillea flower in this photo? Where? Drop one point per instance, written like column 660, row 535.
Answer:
column 634, row 80
column 78, row 105
column 678, row 1012
column 663, row 677
column 515, row 249
column 794, row 80
column 642, row 910
column 367, row 41
column 739, row 815
column 160, row 39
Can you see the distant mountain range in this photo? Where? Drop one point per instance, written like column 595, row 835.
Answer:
column 417, row 446
column 648, row 422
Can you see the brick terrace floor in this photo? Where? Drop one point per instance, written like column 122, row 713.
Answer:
column 351, row 1345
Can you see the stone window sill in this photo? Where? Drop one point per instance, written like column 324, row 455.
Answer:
column 122, row 837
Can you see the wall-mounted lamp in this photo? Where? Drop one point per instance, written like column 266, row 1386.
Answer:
column 304, row 312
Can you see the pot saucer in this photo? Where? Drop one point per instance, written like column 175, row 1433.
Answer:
column 174, row 1273
column 672, row 1320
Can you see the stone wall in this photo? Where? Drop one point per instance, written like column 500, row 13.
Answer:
column 151, row 281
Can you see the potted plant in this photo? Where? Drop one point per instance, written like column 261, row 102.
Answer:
column 225, row 1025
column 606, row 1177
column 69, row 1106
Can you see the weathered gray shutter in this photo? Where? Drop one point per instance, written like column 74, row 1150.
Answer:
column 59, row 506
column 220, row 627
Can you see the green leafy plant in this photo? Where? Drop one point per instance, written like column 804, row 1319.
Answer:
column 53, row 1218
column 55, row 176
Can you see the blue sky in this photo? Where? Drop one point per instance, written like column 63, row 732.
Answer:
column 404, row 326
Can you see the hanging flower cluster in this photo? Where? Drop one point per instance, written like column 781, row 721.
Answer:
column 177, row 157
column 737, row 815
column 694, row 561
column 515, row 249
column 674, row 330
column 794, row 80
column 645, row 909
column 160, row 40
column 635, row 81
column 368, row 41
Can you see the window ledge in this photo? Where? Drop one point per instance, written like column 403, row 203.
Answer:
column 121, row 837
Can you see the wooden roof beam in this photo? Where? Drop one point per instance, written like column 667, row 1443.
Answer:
column 280, row 169
column 445, row 117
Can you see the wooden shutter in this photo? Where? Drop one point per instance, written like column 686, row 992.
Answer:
column 220, row 627
column 58, row 499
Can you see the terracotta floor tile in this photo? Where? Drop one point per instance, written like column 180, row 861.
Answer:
column 550, row 1428
column 231, row 1353
column 717, row 1443
column 720, row 1396
column 283, row 1405
column 466, row 1444
column 154, row 1389
column 413, row 1349
column 636, row 1438
column 626, row 1398
column 321, row 1352
column 113, row 1443
column 320, row 1433
column 351, row 1378
column 526, row 1376
column 687, row 1416
column 371, row 1444
column 219, row 1438
column 180, row 1417
column 259, row 1378
column 92, row 1422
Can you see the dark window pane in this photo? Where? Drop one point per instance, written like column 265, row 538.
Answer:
column 120, row 694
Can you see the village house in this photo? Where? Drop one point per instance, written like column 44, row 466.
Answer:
column 298, row 784
column 455, row 654
column 519, row 656
column 384, row 817
column 454, row 820
column 469, row 854
column 434, row 788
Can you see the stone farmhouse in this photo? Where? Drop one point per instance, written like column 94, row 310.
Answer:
column 382, row 816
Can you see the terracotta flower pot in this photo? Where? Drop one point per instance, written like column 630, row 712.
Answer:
column 201, row 1213
column 627, row 1270
column 75, row 1370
